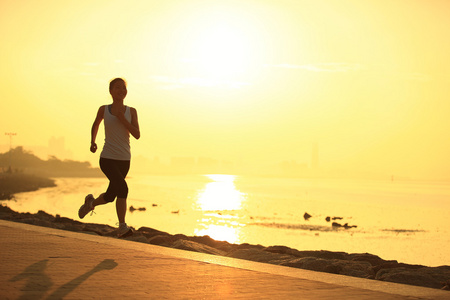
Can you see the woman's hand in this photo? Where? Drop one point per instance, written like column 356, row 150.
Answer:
column 93, row 147
column 121, row 117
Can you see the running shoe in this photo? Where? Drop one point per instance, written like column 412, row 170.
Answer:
column 86, row 207
column 124, row 231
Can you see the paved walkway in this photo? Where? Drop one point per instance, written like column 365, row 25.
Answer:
column 45, row 263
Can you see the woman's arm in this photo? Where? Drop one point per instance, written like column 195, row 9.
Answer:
column 94, row 130
column 132, row 127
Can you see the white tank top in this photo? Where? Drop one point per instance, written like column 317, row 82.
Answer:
column 117, row 137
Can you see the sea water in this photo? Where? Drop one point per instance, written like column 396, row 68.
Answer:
column 396, row 220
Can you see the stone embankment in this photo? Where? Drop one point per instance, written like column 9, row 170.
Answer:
column 363, row 265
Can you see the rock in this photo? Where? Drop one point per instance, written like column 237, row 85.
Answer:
column 260, row 255
column 408, row 276
column 161, row 240
column 446, row 285
column 362, row 269
column 65, row 220
column 328, row 219
column 393, row 265
column 335, row 266
column 323, row 254
column 313, row 264
column 196, row 247
column 208, row 241
column 249, row 246
column 346, row 226
column 44, row 216
column 283, row 250
column 150, row 232
column 374, row 260
column 132, row 208
column 180, row 236
column 307, row 216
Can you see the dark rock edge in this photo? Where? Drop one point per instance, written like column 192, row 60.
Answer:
column 362, row 265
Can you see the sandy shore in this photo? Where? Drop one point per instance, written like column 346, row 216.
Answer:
column 363, row 265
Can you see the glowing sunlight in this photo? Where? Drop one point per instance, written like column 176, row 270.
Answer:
column 220, row 52
column 220, row 232
column 220, row 195
column 218, row 46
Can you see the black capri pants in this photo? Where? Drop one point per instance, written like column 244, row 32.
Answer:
column 116, row 171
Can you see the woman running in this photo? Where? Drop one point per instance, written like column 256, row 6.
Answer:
column 120, row 121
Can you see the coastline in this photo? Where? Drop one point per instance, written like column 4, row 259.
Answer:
column 12, row 183
column 362, row 265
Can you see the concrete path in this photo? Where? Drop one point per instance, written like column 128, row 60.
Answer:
column 45, row 263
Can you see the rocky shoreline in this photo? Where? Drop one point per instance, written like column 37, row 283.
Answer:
column 363, row 265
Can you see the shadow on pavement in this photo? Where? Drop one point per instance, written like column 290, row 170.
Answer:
column 38, row 283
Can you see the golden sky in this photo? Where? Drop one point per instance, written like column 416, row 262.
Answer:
column 249, row 81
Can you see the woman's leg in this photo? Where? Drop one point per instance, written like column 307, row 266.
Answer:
column 99, row 201
column 121, row 202
column 112, row 171
column 121, row 209
column 116, row 171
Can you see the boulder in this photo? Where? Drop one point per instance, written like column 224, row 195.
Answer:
column 208, row 241
column 283, row 250
column 137, row 238
column 314, row 264
column 260, row 255
column 360, row 269
column 196, row 247
column 409, row 276
column 374, row 260
column 161, row 240
column 150, row 232
column 323, row 254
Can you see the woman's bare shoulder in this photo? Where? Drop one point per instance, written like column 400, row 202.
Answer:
column 101, row 111
column 132, row 109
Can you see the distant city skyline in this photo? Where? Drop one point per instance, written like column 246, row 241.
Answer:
column 154, row 164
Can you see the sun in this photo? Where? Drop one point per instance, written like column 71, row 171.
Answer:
column 221, row 51
column 220, row 45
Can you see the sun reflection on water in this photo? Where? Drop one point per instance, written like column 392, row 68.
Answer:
column 220, row 233
column 219, row 201
column 221, row 194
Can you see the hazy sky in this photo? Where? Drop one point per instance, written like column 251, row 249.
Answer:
column 368, row 81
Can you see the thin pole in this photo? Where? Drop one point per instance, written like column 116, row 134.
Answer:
column 11, row 134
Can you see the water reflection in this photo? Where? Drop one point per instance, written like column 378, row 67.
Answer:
column 219, row 201
column 221, row 194
column 220, row 233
